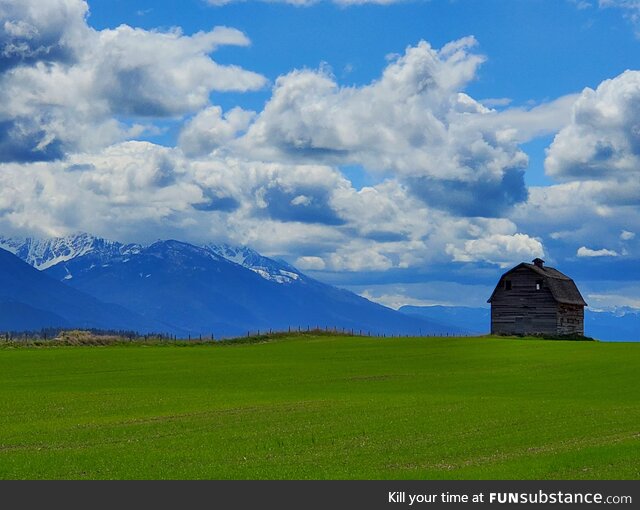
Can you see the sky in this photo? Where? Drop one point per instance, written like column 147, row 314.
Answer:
column 411, row 151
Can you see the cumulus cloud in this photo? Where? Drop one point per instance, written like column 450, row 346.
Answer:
column 597, row 156
column 500, row 249
column 63, row 85
column 519, row 124
column 396, row 301
column 569, row 216
column 40, row 31
column 133, row 186
column 168, row 73
column 583, row 251
column 71, row 99
column 211, row 129
column 414, row 122
column 138, row 191
column 148, row 190
column 602, row 140
column 310, row 263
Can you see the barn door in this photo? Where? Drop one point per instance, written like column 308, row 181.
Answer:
column 519, row 328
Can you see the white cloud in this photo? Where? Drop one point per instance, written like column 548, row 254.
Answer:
column 625, row 235
column 41, row 30
column 414, row 122
column 266, row 179
column 500, row 249
column 310, row 263
column 395, row 301
column 571, row 215
column 138, row 191
column 359, row 256
column 447, row 166
column 168, row 73
column 521, row 125
column 433, row 292
column 602, row 140
column 211, row 129
column 613, row 301
column 63, row 84
column 597, row 155
column 583, row 251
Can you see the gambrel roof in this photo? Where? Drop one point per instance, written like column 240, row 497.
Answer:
column 563, row 289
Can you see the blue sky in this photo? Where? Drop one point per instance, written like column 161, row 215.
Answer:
column 409, row 151
column 535, row 50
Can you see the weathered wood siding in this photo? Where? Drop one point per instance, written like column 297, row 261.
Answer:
column 570, row 319
column 523, row 309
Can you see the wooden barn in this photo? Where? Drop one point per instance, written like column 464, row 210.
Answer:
column 534, row 299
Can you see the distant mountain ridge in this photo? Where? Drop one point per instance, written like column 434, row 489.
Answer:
column 622, row 324
column 476, row 321
column 184, row 289
column 207, row 290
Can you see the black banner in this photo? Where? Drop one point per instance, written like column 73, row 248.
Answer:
column 332, row 495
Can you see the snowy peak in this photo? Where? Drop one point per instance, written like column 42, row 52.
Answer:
column 45, row 253
column 180, row 253
column 269, row 269
column 95, row 251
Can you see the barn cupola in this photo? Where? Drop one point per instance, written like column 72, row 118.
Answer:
column 538, row 262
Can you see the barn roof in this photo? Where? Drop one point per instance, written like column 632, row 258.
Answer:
column 563, row 289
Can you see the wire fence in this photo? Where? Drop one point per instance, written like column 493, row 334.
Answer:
column 70, row 335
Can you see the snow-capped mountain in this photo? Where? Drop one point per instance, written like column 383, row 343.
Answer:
column 213, row 289
column 45, row 253
column 180, row 288
column 274, row 270
column 94, row 251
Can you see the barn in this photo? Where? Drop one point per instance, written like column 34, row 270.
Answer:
column 535, row 299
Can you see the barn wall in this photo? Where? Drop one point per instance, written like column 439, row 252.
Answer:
column 570, row 319
column 523, row 309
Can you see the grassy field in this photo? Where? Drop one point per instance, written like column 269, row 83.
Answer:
column 323, row 407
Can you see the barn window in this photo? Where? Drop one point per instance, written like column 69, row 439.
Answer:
column 507, row 285
column 538, row 284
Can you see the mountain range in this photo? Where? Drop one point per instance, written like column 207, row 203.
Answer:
column 175, row 288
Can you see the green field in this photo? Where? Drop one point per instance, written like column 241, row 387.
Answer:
column 323, row 407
